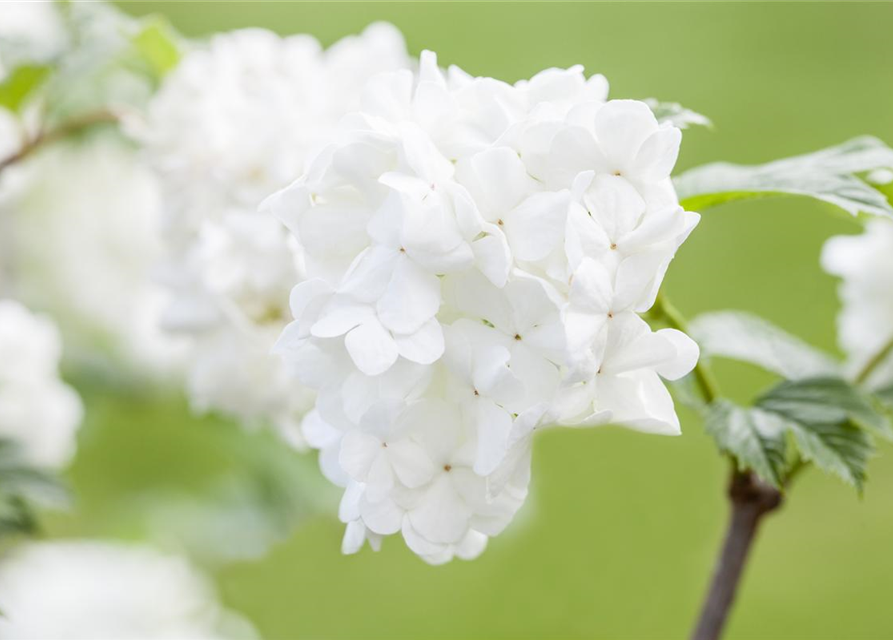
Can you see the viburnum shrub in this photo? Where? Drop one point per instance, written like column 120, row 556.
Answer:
column 413, row 270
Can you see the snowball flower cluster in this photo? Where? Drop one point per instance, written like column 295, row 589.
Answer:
column 37, row 410
column 865, row 264
column 477, row 255
column 232, row 123
column 80, row 242
column 82, row 589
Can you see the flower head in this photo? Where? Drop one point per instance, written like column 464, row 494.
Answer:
column 233, row 122
column 37, row 410
column 477, row 256
column 85, row 589
column 865, row 265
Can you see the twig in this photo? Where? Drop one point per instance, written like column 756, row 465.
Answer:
column 751, row 500
column 62, row 131
column 875, row 361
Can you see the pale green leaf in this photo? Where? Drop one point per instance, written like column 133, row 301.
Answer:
column 677, row 115
column 755, row 438
column 156, row 46
column 742, row 336
column 830, row 175
column 20, row 84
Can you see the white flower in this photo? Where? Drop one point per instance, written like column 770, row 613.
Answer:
column 83, row 589
column 232, row 123
column 82, row 245
column 865, row 265
column 37, row 410
column 478, row 254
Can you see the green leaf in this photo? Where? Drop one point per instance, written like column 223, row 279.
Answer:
column 830, row 175
column 156, row 45
column 824, row 399
column 885, row 396
column 755, row 438
column 840, row 448
column 20, row 480
column 828, row 418
column 677, row 115
column 20, row 84
column 742, row 336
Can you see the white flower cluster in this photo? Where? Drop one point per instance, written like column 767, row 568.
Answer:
column 37, row 410
column 865, row 323
column 477, row 255
column 80, row 243
column 82, row 589
column 232, row 123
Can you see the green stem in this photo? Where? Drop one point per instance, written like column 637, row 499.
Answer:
column 875, row 361
column 703, row 377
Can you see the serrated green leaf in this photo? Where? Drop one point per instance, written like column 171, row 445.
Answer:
column 754, row 437
column 828, row 418
column 824, row 400
column 156, row 45
column 830, row 175
column 839, row 448
column 742, row 336
column 20, row 84
column 677, row 115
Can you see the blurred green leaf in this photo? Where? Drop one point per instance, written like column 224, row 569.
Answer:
column 743, row 336
column 20, row 84
column 830, row 175
column 754, row 437
column 677, row 115
column 156, row 45
column 21, row 488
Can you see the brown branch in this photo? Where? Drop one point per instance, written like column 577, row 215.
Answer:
column 62, row 131
column 751, row 500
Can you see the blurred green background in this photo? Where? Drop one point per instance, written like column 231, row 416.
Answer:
column 620, row 532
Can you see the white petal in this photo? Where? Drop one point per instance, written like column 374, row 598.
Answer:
column 442, row 516
column 354, row 537
column 411, row 299
column 591, row 289
column 536, row 226
column 657, row 155
column 687, row 353
column 492, row 255
column 410, row 463
column 384, row 517
column 358, row 452
column 621, row 126
column 340, row 315
column 371, row 348
column 424, row 346
column 493, row 427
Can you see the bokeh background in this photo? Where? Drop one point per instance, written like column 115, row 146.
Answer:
column 620, row 532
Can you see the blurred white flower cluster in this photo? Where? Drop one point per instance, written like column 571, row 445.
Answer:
column 82, row 245
column 865, row 324
column 82, row 590
column 78, row 216
column 38, row 412
column 476, row 257
column 231, row 124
